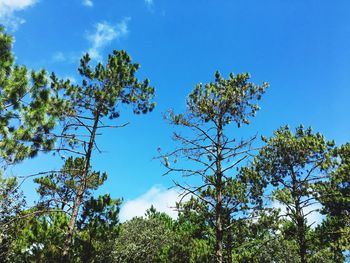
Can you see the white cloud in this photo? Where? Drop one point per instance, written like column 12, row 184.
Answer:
column 68, row 57
column 14, row 5
column 88, row 3
column 104, row 35
column 149, row 2
column 162, row 199
column 313, row 217
column 150, row 5
column 58, row 57
column 9, row 7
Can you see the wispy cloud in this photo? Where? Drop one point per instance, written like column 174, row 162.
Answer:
column 88, row 3
column 150, row 5
column 70, row 57
column 58, row 57
column 149, row 2
column 104, row 34
column 8, row 9
column 162, row 199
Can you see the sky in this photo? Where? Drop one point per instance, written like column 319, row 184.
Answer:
column 301, row 47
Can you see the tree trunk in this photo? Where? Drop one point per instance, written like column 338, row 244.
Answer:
column 229, row 240
column 302, row 241
column 219, row 230
column 299, row 218
column 81, row 191
column 69, row 239
column 218, row 207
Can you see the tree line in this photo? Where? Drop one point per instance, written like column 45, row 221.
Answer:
column 253, row 197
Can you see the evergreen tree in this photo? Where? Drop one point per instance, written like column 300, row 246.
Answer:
column 194, row 233
column 210, row 153
column 292, row 163
column 40, row 237
column 12, row 203
column 98, row 218
column 98, row 228
column 144, row 239
column 58, row 190
column 99, row 96
column 334, row 195
column 29, row 108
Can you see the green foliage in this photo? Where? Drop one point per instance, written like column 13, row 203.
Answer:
column 334, row 195
column 11, row 198
column 103, row 88
column 300, row 154
column 293, row 164
column 225, row 220
column 144, row 239
column 158, row 238
column 211, row 154
column 40, row 237
column 29, row 108
column 193, row 235
column 11, row 204
column 102, row 91
column 99, row 217
column 27, row 116
column 231, row 100
column 58, row 190
column 269, row 249
column 98, row 228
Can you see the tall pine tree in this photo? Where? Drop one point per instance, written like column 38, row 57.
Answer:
column 211, row 152
column 102, row 91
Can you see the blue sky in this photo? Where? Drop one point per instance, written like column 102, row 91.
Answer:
column 302, row 48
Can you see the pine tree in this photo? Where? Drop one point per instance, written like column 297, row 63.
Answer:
column 209, row 151
column 334, row 195
column 98, row 98
column 29, row 108
column 292, row 163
